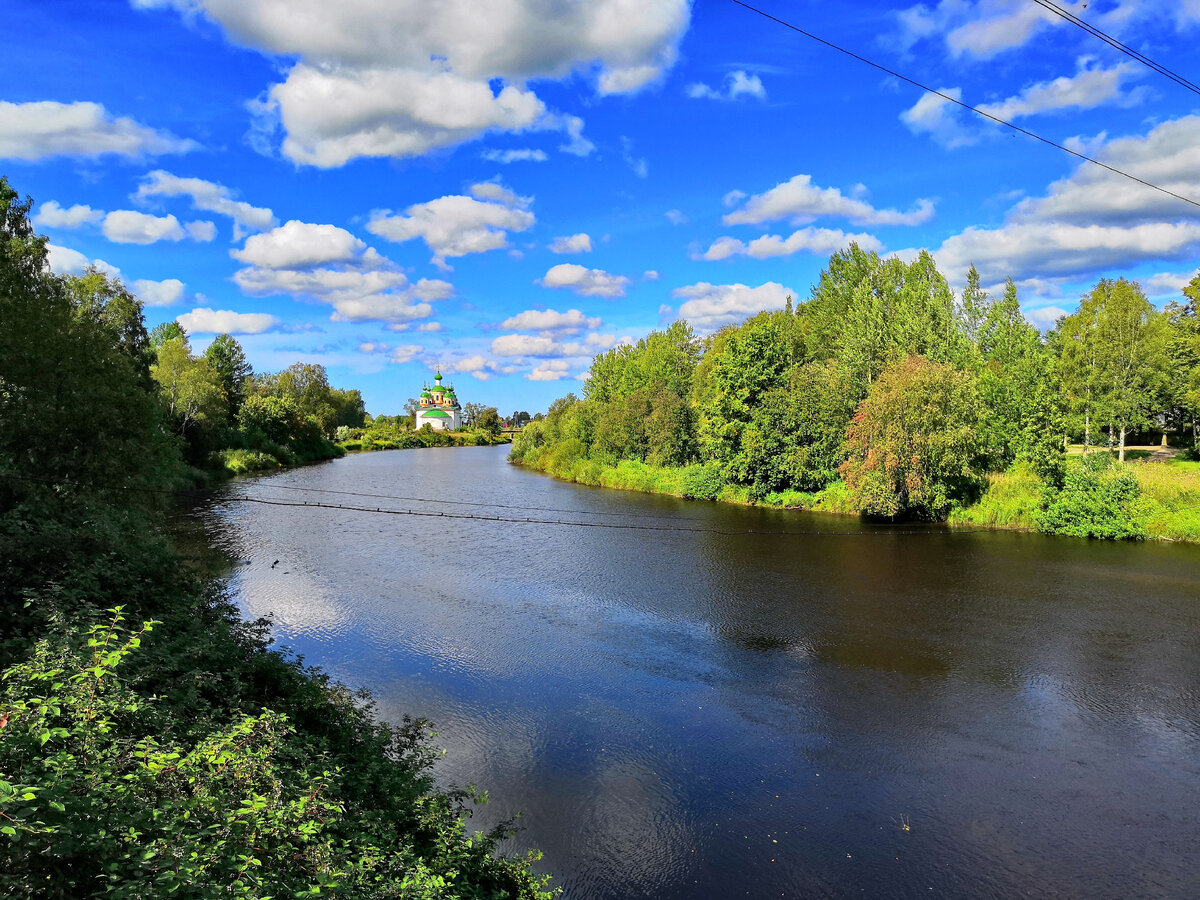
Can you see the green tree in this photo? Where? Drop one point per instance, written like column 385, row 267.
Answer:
column 912, row 445
column 168, row 331
column 191, row 389
column 228, row 360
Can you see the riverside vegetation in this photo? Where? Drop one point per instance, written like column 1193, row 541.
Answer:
column 151, row 742
column 886, row 395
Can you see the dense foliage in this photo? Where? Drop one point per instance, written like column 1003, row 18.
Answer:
column 885, row 393
column 151, row 743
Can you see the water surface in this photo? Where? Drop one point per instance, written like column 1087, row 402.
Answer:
column 686, row 714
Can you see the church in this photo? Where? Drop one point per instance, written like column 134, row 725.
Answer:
column 439, row 408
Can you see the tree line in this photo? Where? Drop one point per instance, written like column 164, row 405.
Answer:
column 886, row 389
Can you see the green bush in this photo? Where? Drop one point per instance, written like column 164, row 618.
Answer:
column 702, row 481
column 1096, row 500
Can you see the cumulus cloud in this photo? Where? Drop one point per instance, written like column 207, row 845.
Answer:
column 158, row 293
column 675, row 217
column 330, row 265
column 300, row 245
column 477, row 366
column 650, row 275
column 403, row 77
column 33, row 131
column 127, row 226
column 203, row 320
column 550, row 370
column 985, row 28
column 456, row 225
column 819, row 241
column 545, row 346
column 51, row 215
column 576, row 243
column 737, row 84
column 208, row 196
column 1094, row 220
column 584, row 281
column 550, row 320
column 65, row 261
column 1169, row 283
column 708, row 307
column 1091, row 86
column 404, row 353
column 511, row 156
column 429, row 326
column 800, row 201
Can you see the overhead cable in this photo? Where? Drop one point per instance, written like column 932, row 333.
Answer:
column 1114, row 43
column 957, row 102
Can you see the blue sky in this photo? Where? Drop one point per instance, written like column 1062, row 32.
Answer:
column 502, row 189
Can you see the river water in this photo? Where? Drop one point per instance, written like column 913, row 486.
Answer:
column 688, row 714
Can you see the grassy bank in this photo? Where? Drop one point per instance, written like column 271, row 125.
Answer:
column 359, row 440
column 1165, row 505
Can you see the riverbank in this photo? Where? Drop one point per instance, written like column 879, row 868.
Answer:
column 1166, row 506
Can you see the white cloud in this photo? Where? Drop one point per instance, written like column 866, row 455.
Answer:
column 126, row 226
column 1169, row 283
column 543, row 345
column 550, row 320
column 511, row 156
column 550, row 370
column 328, row 264
column 1089, row 88
column 737, row 84
column 201, row 231
column 402, row 77
column 576, row 144
column 370, row 347
column 940, row 119
column 429, row 326
column 576, row 243
column 953, row 126
column 207, row 196
column 819, row 241
column 158, row 293
column 650, row 275
column 32, row 131
column 708, row 307
column 454, row 225
column 1095, row 221
column 638, row 164
column 51, row 215
column 498, row 193
column 675, row 217
column 300, row 245
column 1045, row 316
column 405, row 353
column 65, row 261
column 203, row 320
column 799, row 200
column 585, row 281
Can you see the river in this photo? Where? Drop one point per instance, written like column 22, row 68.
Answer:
column 682, row 713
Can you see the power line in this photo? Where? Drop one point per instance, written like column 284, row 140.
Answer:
column 431, row 514
column 494, row 505
column 974, row 109
column 1114, row 43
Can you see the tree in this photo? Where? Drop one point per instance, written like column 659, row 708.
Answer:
column 168, row 331
column 228, row 360
column 1131, row 343
column 974, row 307
column 191, row 388
column 488, row 421
column 912, row 445
column 307, row 384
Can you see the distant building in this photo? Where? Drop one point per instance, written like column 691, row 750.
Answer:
column 439, row 408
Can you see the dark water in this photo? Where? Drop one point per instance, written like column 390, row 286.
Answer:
column 691, row 715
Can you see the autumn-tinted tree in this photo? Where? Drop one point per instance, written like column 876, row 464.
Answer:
column 913, row 445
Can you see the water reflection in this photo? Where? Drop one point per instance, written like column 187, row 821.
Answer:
column 697, row 715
